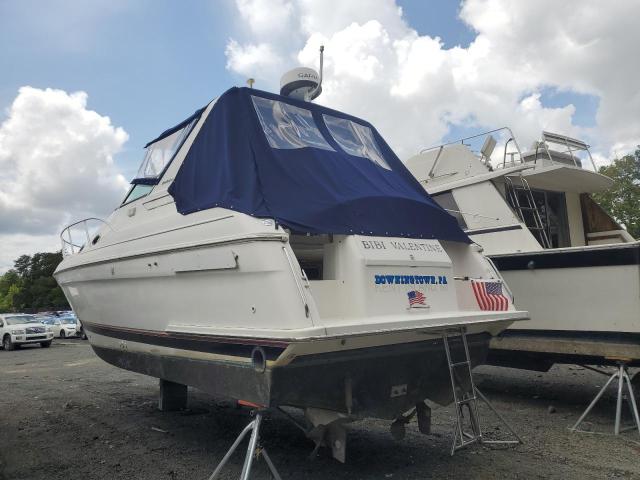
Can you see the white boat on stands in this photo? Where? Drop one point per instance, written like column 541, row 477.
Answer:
column 278, row 252
column 566, row 260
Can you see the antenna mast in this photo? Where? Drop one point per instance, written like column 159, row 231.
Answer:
column 316, row 91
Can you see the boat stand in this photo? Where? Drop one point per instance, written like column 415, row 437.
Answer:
column 466, row 396
column 255, row 450
column 622, row 375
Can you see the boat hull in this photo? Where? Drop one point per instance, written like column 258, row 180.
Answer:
column 193, row 306
column 541, row 349
column 584, row 306
column 380, row 381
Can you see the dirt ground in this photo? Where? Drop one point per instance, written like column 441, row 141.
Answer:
column 65, row 414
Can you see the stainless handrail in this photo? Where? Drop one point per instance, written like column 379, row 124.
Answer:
column 69, row 243
column 557, row 139
column 461, row 140
column 512, row 138
column 435, row 163
column 504, row 157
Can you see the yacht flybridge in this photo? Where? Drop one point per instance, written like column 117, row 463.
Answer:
column 278, row 252
column 571, row 265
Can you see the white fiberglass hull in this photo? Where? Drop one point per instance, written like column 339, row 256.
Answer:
column 201, row 311
column 584, row 304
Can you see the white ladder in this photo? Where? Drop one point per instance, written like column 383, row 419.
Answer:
column 466, row 394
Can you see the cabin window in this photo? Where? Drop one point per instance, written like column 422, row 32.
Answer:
column 158, row 155
column 288, row 127
column 138, row 190
column 157, row 158
column 355, row 139
column 446, row 201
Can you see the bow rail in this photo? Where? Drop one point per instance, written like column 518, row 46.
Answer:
column 84, row 229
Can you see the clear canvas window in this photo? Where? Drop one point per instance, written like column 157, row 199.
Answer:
column 355, row 139
column 287, row 126
column 159, row 154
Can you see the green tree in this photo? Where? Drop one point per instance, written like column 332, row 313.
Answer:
column 21, row 265
column 30, row 284
column 11, row 294
column 622, row 200
column 10, row 285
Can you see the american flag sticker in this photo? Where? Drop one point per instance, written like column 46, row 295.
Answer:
column 489, row 295
column 416, row 299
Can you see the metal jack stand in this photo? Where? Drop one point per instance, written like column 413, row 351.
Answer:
column 622, row 376
column 466, row 394
column 253, row 451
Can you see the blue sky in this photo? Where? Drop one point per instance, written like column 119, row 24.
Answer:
column 145, row 65
column 438, row 19
column 148, row 64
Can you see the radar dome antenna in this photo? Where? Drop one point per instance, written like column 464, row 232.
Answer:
column 303, row 83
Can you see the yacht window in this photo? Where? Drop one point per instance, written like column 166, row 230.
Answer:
column 446, row 201
column 139, row 190
column 355, row 139
column 287, row 126
column 158, row 155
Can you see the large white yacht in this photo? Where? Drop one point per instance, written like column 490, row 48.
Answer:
column 278, row 252
column 571, row 265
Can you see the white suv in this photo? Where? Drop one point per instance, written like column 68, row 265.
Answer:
column 18, row 329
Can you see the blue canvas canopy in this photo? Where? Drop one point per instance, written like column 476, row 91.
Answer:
column 312, row 169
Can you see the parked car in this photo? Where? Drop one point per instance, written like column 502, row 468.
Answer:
column 62, row 327
column 70, row 327
column 19, row 329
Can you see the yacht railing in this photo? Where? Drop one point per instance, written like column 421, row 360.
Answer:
column 70, row 246
column 512, row 154
column 568, row 156
column 509, row 157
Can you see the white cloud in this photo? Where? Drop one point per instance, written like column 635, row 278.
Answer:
column 56, row 165
column 332, row 16
column 266, row 17
column 250, row 58
column 414, row 89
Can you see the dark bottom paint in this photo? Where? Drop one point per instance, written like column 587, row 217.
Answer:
column 353, row 381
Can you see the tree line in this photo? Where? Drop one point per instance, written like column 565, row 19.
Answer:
column 30, row 287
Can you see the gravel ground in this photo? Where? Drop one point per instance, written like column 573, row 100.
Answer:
column 65, row 414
